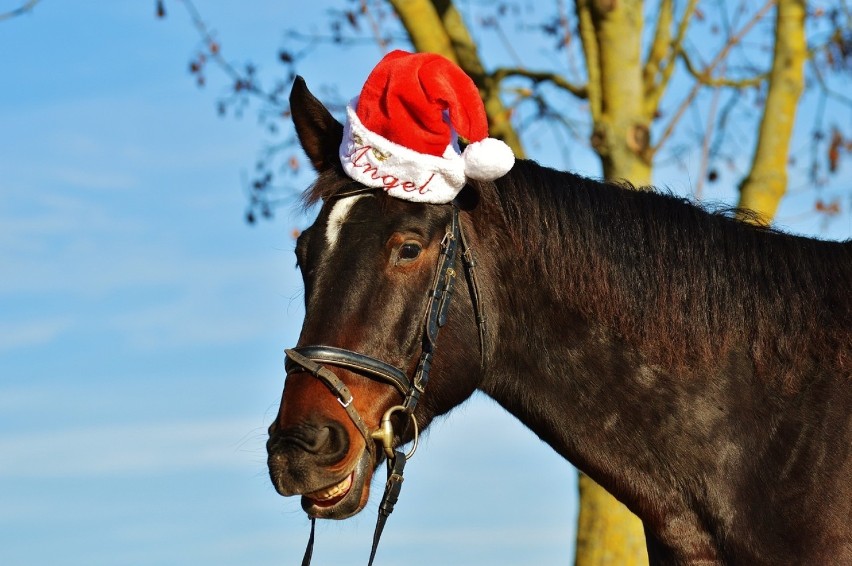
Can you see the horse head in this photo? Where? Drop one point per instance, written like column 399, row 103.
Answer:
column 371, row 266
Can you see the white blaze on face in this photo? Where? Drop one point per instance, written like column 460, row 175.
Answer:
column 337, row 217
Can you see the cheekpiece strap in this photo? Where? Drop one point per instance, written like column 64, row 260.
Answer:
column 469, row 261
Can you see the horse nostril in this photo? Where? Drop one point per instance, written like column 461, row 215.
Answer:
column 328, row 443
column 311, row 439
column 337, row 443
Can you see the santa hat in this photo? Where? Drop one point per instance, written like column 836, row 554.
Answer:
column 400, row 133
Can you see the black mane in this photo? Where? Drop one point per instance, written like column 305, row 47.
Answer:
column 687, row 282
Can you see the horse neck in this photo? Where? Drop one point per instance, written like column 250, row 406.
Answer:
column 596, row 399
column 595, row 344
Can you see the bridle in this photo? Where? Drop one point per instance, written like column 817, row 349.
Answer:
column 313, row 359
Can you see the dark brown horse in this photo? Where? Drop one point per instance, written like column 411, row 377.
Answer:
column 699, row 368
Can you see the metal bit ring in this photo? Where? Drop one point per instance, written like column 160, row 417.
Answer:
column 384, row 433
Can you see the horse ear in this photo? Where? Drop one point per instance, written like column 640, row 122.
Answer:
column 319, row 133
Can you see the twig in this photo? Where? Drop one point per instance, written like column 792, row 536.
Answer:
column 566, row 29
column 318, row 38
column 709, row 69
column 705, row 144
column 507, row 44
column 214, row 51
column 374, row 26
column 580, row 91
column 19, row 11
column 840, row 97
column 590, row 48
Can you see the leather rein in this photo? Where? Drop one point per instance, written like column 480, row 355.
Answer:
column 313, row 359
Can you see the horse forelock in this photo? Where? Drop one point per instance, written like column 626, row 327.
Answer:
column 683, row 283
column 330, row 182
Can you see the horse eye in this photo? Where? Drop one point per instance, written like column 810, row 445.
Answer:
column 409, row 251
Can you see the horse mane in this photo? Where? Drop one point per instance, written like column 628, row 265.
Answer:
column 688, row 284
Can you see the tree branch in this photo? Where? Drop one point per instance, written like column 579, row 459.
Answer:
column 654, row 87
column 242, row 81
column 839, row 96
column 705, row 79
column 589, row 39
column 580, row 91
column 662, row 41
column 704, row 164
column 374, row 26
column 567, row 34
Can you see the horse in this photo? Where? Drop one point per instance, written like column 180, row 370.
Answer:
column 696, row 366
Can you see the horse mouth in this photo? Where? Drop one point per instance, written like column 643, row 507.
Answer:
column 344, row 498
column 330, row 495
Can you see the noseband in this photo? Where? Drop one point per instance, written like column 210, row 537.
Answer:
column 313, row 359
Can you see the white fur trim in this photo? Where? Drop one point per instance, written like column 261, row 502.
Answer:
column 375, row 161
column 487, row 159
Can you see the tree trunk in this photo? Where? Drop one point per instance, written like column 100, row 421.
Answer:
column 611, row 32
column 606, row 530
column 761, row 191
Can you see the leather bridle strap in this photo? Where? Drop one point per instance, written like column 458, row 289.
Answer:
column 344, row 396
column 392, row 488
column 440, row 296
column 469, row 262
column 347, row 359
column 309, row 550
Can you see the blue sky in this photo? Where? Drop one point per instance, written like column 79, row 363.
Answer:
column 142, row 322
column 142, row 327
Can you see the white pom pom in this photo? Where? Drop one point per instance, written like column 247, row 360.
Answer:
column 487, row 160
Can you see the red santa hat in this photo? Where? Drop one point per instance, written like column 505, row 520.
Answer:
column 400, row 133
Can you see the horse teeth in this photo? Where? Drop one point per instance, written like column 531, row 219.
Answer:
column 336, row 490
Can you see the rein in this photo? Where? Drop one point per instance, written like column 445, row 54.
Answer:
column 313, row 358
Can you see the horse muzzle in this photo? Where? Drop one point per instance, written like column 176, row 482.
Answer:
column 310, row 461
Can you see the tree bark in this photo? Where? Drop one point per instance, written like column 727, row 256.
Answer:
column 607, row 533
column 764, row 186
column 424, row 27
